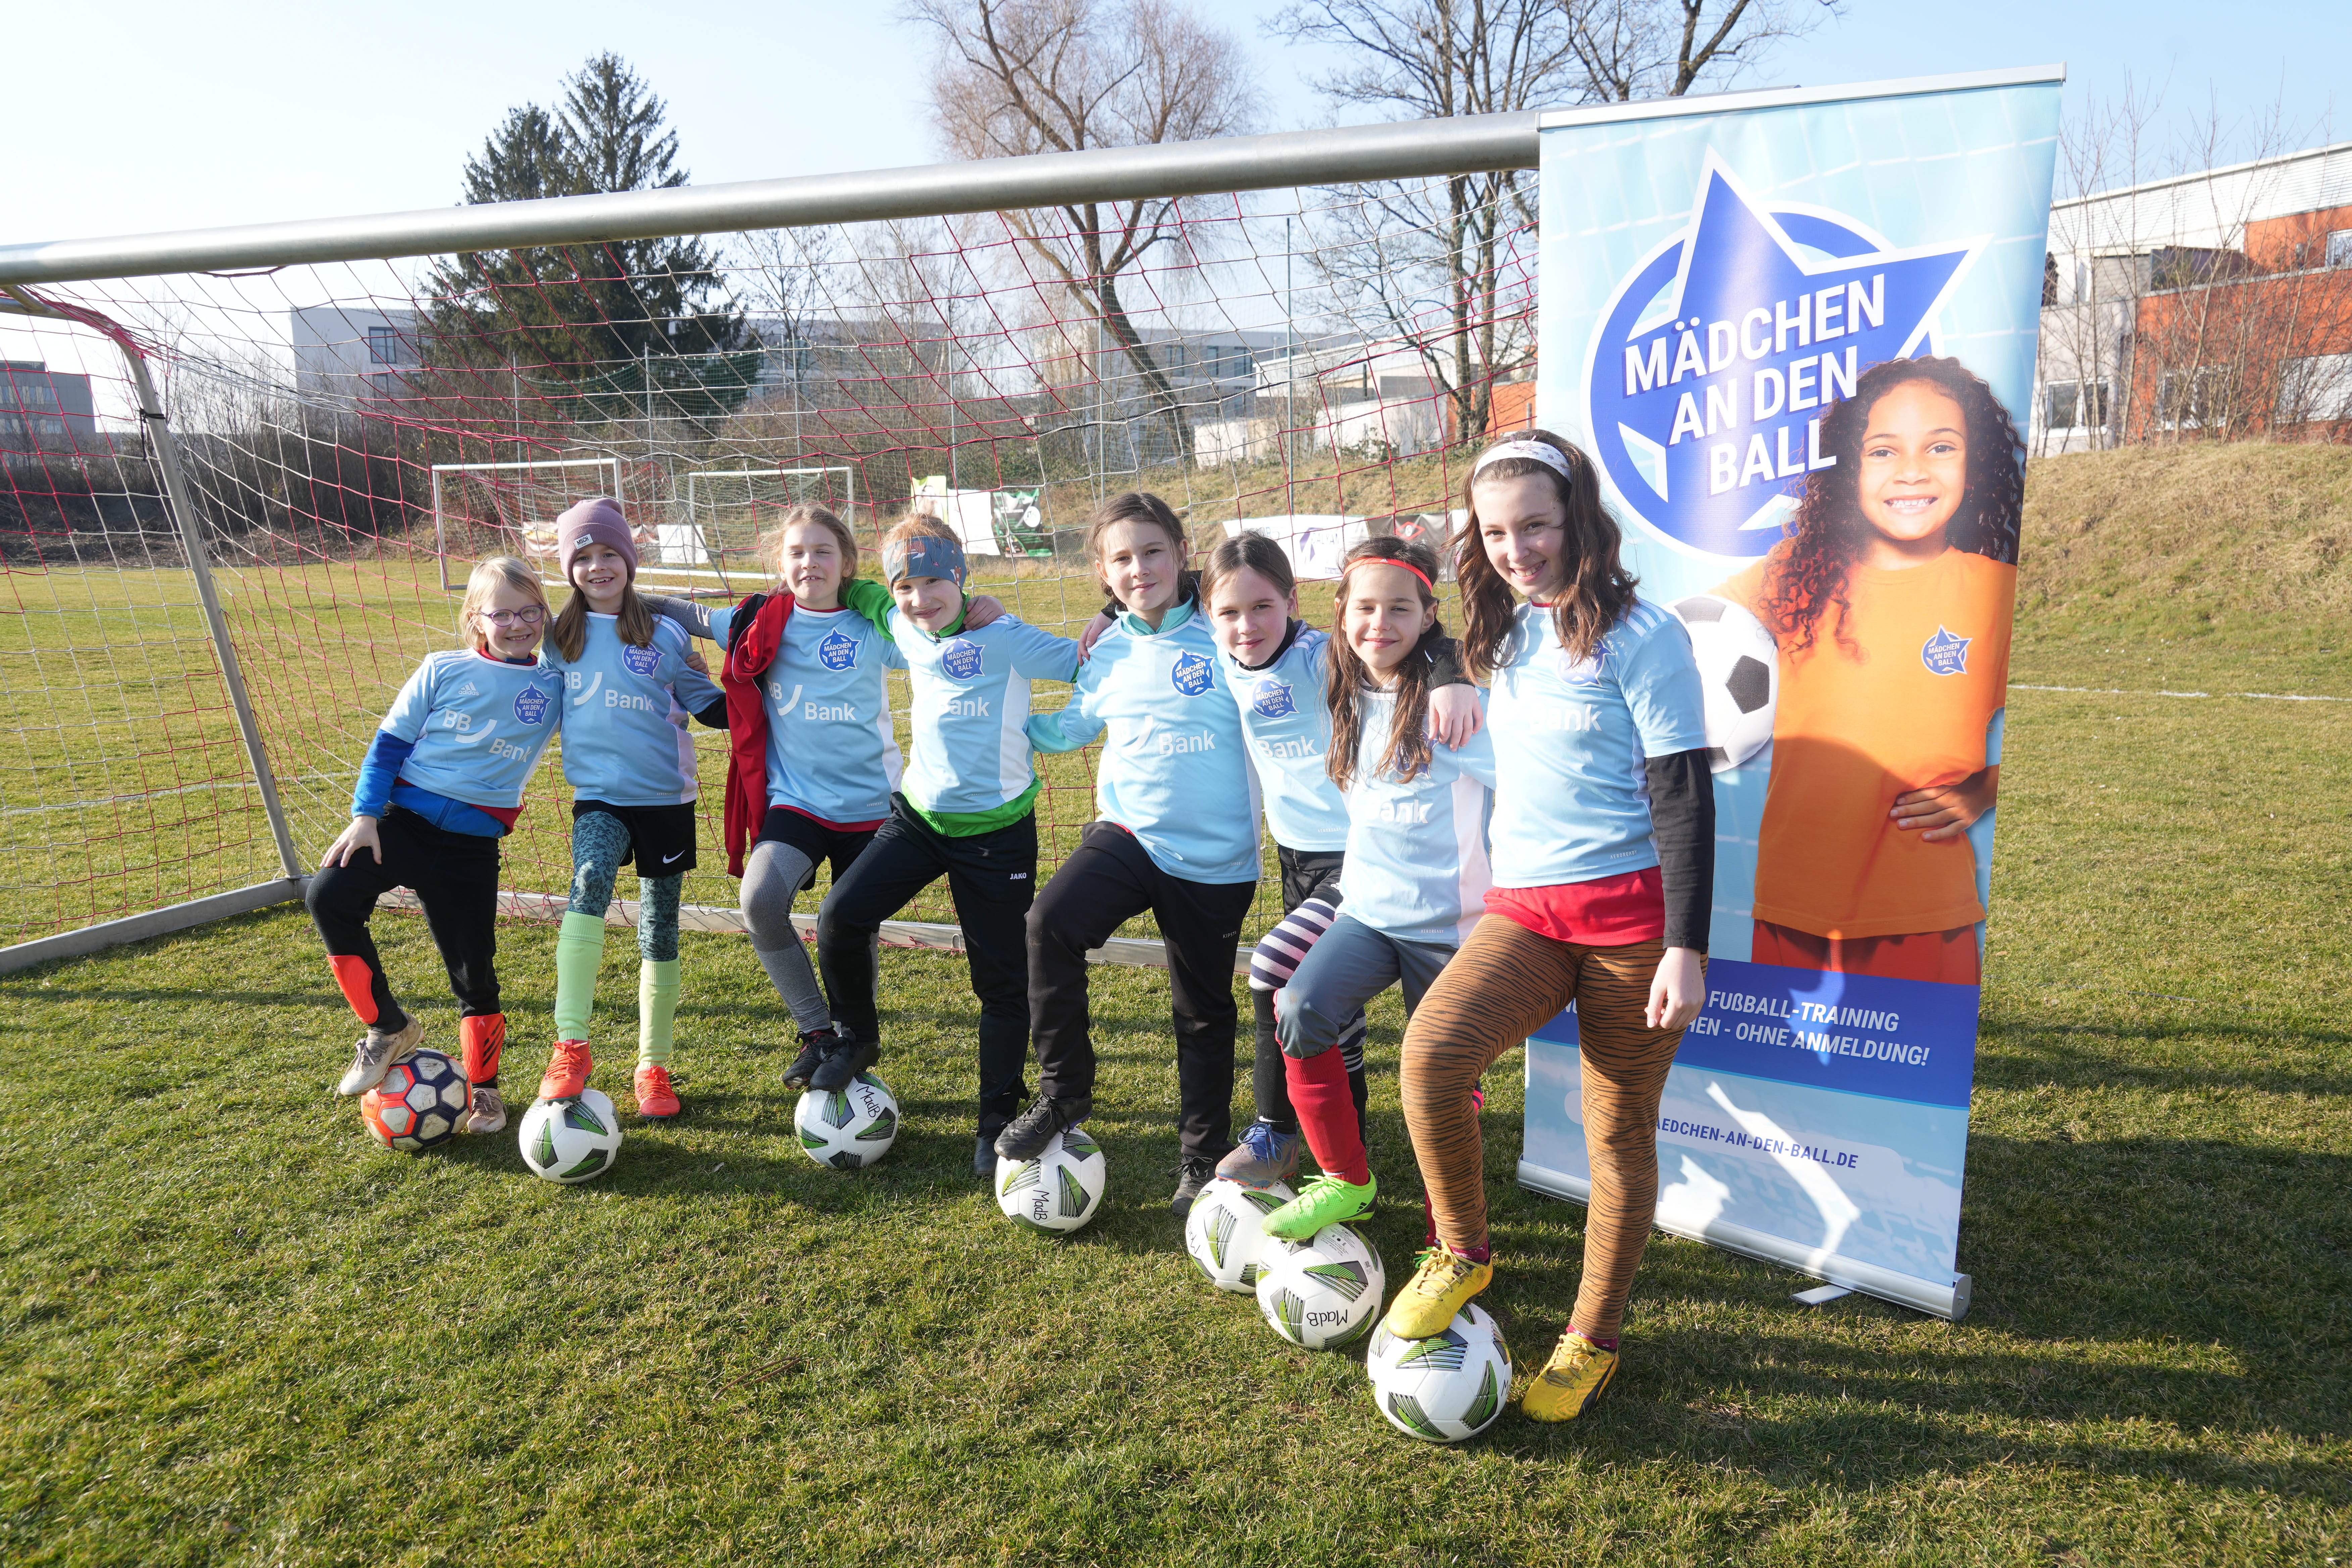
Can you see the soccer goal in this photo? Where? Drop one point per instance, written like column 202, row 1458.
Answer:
column 509, row 509
column 728, row 511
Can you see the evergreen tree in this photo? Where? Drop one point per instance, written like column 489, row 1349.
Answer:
column 601, row 317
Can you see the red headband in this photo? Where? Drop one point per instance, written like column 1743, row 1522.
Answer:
column 1388, row 561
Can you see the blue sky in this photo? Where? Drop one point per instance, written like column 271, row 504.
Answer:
column 171, row 116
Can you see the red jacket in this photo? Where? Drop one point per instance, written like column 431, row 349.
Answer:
column 754, row 637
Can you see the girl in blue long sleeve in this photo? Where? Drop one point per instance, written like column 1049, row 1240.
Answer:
column 442, row 784
column 1177, row 835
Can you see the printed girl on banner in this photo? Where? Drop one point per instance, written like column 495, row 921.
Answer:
column 1890, row 602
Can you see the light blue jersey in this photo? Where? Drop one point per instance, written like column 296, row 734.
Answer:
column 971, row 707
column 832, row 749
column 478, row 725
column 1417, row 864
column 1571, row 794
column 1175, row 769
column 624, row 715
column 1288, row 724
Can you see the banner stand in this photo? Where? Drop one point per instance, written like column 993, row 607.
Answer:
column 1951, row 1303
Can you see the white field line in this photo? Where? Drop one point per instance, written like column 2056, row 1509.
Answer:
column 2115, row 691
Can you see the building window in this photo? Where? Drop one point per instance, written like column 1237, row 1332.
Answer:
column 2317, row 387
column 385, row 347
column 1175, row 366
column 2069, row 404
column 2193, row 398
column 2339, row 248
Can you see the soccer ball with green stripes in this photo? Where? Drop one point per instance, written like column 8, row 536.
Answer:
column 1444, row 1389
column 1323, row 1291
column 1059, row 1190
column 1222, row 1232
column 571, row 1140
column 847, row 1128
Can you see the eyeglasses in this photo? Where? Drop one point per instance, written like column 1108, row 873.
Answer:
column 525, row 617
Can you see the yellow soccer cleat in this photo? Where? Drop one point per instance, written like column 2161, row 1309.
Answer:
column 1439, row 1289
column 1569, row 1383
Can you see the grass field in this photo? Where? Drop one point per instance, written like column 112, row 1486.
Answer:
column 233, row 1332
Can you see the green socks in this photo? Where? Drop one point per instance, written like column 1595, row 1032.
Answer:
column 656, row 1006
column 579, row 950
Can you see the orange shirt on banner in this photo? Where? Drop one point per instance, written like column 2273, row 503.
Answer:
column 1906, row 708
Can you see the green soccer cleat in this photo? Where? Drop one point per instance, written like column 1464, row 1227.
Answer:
column 1327, row 1200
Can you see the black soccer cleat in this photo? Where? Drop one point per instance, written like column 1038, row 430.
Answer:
column 1026, row 1135
column 811, row 1056
column 845, row 1056
column 1192, row 1173
column 984, row 1157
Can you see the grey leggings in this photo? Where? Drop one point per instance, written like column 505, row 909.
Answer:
column 598, row 841
column 772, row 879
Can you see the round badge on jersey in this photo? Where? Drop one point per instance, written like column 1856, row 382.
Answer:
column 531, row 704
column 960, row 659
column 1192, row 675
column 837, row 651
column 1584, row 671
column 1273, row 700
column 641, row 660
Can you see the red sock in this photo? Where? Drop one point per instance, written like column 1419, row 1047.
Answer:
column 358, row 983
column 1608, row 1344
column 1327, row 1114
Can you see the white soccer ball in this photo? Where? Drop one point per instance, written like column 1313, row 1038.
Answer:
column 1060, row 1189
column 418, row 1104
column 1323, row 1291
column 1739, row 668
column 1222, row 1232
column 847, row 1128
column 1444, row 1389
column 571, row 1140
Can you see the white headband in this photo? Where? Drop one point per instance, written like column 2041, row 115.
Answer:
column 1548, row 456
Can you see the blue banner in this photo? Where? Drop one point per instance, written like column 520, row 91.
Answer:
column 1796, row 332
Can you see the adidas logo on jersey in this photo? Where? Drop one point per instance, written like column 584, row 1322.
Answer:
column 469, row 690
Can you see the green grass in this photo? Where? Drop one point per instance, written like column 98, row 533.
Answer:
column 235, row 1333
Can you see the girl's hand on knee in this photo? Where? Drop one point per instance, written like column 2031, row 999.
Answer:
column 360, row 835
column 1455, row 714
column 1677, row 991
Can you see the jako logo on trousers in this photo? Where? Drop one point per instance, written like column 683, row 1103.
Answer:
column 1715, row 358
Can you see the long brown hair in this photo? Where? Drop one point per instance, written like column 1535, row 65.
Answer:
column 1346, row 677
column 1134, row 506
column 1588, row 604
column 1829, row 532
column 570, row 633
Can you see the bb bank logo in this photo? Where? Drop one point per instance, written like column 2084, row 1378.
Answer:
column 1717, row 357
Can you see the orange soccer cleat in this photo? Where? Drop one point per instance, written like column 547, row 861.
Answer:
column 567, row 1071
column 655, row 1098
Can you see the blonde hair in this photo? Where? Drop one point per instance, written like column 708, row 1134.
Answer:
column 919, row 525
column 498, row 572
column 809, row 511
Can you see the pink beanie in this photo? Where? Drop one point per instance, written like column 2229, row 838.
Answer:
column 597, row 520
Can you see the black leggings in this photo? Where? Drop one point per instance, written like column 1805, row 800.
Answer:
column 454, row 875
column 1107, row 882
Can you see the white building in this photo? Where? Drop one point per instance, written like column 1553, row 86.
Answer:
column 351, row 354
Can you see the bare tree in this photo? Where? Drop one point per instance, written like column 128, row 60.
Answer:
column 1455, row 242
column 1018, row 77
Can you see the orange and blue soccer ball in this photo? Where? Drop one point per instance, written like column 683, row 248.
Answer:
column 419, row 1105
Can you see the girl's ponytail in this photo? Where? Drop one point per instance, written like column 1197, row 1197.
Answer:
column 1346, row 677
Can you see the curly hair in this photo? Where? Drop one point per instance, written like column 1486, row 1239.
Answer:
column 1598, row 590
column 1827, row 533
column 1347, row 675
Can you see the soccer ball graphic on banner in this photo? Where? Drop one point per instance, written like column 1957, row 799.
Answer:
column 418, row 1104
column 1323, row 1291
column 1739, row 669
column 572, row 1140
column 1445, row 1388
column 1060, row 1189
column 1222, row 1232
column 849, row 1128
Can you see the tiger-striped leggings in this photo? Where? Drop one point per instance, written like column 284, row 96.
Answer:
column 1505, row 984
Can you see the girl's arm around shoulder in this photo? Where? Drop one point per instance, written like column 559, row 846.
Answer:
column 1079, row 721
column 1474, row 757
column 1038, row 654
column 690, row 615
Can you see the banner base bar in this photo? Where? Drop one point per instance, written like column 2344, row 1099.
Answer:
column 1949, row 1302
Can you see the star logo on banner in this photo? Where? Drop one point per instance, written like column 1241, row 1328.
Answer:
column 1716, row 358
column 1945, row 654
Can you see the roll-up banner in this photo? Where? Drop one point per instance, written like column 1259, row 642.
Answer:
column 1795, row 330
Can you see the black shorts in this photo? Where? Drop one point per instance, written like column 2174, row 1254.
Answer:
column 1310, row 874
column 661, row 838
column 816, row 841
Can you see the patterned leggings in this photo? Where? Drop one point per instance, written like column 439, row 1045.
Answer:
column 1505, row 984
column 598, row 841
